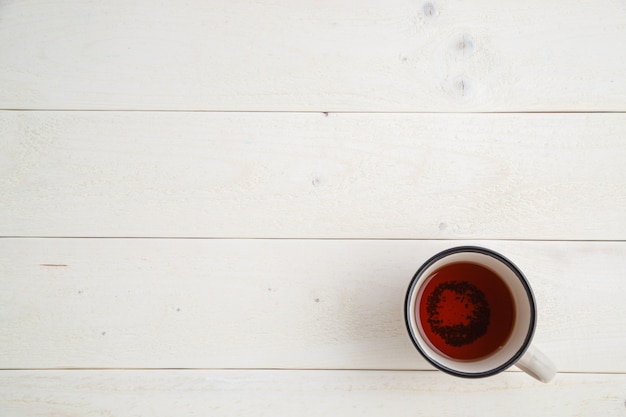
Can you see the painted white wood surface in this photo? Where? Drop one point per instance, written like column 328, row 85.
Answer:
column 330, row 304
column 303, row 393
column 400, row 55
column 306, row 304
column 507, row 176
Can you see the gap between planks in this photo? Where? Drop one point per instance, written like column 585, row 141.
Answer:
column 277, row 370
column 318, row 238
column 325, row 113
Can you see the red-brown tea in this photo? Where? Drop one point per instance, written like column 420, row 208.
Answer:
column 466, row 311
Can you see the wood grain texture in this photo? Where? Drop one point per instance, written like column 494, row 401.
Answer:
column 158, row 303
column 303, row 393
column 506, row 176
column 400, row 55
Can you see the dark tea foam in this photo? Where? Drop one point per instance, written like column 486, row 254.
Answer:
column 465, row 311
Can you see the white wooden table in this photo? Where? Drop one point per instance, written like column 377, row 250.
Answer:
column 215, row 207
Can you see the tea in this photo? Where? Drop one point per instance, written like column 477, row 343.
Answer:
column 466, row 311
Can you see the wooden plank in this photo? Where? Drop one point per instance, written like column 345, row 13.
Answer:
column 398, row 55
column 503, row 176
column 305, row 393
column 330, row 304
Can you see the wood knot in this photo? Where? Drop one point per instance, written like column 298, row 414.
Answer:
column 429, row 10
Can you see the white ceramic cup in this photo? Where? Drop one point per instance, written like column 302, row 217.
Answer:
column 517, row 350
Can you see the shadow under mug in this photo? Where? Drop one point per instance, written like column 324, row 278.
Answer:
column 517, row 349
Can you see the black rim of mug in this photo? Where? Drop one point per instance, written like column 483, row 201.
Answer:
column 512, row 267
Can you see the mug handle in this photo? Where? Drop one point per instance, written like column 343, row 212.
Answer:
column 537, row 365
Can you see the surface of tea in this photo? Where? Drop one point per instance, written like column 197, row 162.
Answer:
column 466, row 311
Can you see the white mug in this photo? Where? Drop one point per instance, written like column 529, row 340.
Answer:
column 516, row 350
